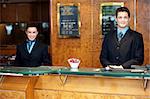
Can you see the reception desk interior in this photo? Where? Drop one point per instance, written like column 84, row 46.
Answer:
column 57, row 82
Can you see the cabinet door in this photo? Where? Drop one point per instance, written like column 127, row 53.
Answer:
column 24, row 12
column 8, row 13
column 45, row 11
column 40, row 11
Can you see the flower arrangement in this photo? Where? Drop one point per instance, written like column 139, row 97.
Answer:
column 74, row 63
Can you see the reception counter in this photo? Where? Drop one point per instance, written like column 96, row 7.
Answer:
column 64, row 83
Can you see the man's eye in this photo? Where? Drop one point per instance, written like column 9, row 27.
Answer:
column 125, row 17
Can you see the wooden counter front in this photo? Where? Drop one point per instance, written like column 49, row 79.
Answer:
column 89, row 87
column 75, row 87
column 12, row 87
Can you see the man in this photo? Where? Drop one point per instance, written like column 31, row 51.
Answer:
column 122, row 46
column 32, row 52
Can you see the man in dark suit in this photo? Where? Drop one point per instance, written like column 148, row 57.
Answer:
column 32, row 53
column 122, row 46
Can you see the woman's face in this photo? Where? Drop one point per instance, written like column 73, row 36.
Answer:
column 31, row 33
column 122, row 20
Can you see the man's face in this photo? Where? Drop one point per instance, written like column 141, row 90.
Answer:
column 122, row 20
column 32, row 33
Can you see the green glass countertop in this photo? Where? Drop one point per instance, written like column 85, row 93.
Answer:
column 44, row 70
column 101, row 72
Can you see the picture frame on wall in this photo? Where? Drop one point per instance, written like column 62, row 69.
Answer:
column 68, row 16
column 107, row 16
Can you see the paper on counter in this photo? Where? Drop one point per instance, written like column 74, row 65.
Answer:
column 115, row 67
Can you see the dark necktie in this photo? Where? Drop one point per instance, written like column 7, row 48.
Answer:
column 29, row 44
column 120, row 36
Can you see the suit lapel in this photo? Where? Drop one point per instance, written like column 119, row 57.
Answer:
column 126, row 36
column 25, row 48
column 35, row 46
column 115, row 36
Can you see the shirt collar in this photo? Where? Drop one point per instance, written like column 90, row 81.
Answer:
column 30, row 40
column 123, row 31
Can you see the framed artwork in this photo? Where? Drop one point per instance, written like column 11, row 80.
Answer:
column 107, row 16
column 68, row 20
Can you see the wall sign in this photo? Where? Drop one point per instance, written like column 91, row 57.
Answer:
column 107, row 16
column 68, row 20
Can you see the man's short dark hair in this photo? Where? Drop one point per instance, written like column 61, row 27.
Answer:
column 122, row 9
column 32, row 25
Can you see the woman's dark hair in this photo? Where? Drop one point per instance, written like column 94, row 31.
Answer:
column 122, row 9
column 32, row 25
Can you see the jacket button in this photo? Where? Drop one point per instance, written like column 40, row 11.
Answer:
column 117, row 57
column 118, row 48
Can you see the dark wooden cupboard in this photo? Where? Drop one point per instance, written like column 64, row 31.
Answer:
column 24, row 12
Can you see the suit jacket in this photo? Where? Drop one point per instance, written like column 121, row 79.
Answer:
column 38, row 56
column 129, row 51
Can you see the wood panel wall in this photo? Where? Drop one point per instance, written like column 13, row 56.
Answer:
column 0, row 11
column 62, row 49
column 143, row 26
column 88, row 47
